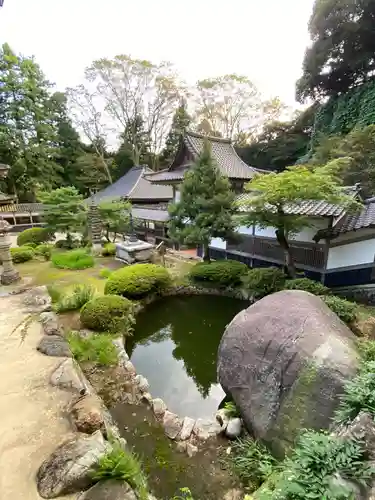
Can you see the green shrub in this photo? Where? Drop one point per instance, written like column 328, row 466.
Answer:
column 97, row 348
column 21, row 254
column 73, row 259
column 67, row 244
column 223, row 273
column 307, row 285
column 260, row 282
column 75, row 299
column 34, row 235
column 122, row 465
column 108, row 313
column 184, row 494
column 105, row 273
column 367, row 349
column 231, row 410
column 137, row 281
column 345, row 310
column 251, row 462
column 30, row 245
column 109, row 249
column 44, row 250
column 317, row 460
column 54, row 292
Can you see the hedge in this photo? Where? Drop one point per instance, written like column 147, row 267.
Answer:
column 307, row 285
column 347, row 311
column 260, row 282
column 34, row 235
column 108, row 313
column 222, row 273
column 21, row 254
column 137, row 281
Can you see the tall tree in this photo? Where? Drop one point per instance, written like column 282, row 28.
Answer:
column 205, row 209
column 272, row 196
column 181, row 121
column 132, row 88
column 28, row 136
column 343, row 45
column 115, row 217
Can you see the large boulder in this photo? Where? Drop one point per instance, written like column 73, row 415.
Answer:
column 284, row 361
column 110, row 490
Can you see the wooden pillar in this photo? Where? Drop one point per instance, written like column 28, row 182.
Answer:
column 31, row 219
column 14, row 219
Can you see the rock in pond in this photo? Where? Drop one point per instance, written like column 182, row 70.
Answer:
column 159, row 407
column 187, row 428
column 110, row 490
column 285, row 361
column 50, row 323
column 234, row 428
column 142, row 383
column 88, row 414
column 54, row 345
column 172, row 424
column 67, row 376
column 69, row 468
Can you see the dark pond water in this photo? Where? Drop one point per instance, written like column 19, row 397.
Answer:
column 175, row 346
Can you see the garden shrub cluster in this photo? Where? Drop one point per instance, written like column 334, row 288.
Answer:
column 34, row 235
column 347, row 311
column 260, row 282
column 138, row 281
column 108, row 313
column 75, row 298
column 44, row 250
column 109, row 249
column 21, row 254
column 223, row 273
column 73, row 259
column 307, row 285
column 97, row 348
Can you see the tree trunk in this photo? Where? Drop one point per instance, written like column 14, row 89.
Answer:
column 206, row 253
column 283, row 242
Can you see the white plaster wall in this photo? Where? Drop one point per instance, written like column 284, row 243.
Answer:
column 352, row 254
column 307, row 234
column 245, row 230
column 218, row 243
column 177, row 196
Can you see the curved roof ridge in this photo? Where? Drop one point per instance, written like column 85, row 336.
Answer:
column 208, row 137
column 141, row 172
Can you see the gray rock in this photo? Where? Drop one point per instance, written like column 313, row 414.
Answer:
column 181, row 446
column 69, row 468
column 361, row 429
column 87, row 414
column 129, row 368
column 67, row 376
column 110, row 490
column 222, row 417
column 234, row 428
column 147, row 398
column 187, row 428
column 54, row 345
column 172, row 424
column 37, row 299
column 142, row 383
column 159, row 407
column 122, row 354
column 205, row 429
column 50, row 323
column 234, row 494
column 191, row 449
column 285, row 361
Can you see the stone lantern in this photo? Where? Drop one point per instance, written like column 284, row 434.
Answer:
column 95, row 227
column 9, row 273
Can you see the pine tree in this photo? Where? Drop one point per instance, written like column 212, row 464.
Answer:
column 181, row 121
column 206, row 207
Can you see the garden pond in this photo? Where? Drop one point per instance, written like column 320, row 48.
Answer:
column 175, row 346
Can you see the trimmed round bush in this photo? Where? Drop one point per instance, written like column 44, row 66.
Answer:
column 221, row 273
column 34, row 235
column 107, row 313
column 307, row 285
column 137, row 281
column 109, row 249
column 347, row 311
column 260, row 282
column 73, row 259
column 44, row 250
column 21, row 254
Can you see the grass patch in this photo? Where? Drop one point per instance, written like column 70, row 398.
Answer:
column 105, row 273
column 74, row 299
column 73, row 259
column 97, row 348
column 122, row 465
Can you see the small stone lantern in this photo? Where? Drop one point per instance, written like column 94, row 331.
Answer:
column 9, row 273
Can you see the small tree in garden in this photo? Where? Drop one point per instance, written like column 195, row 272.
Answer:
column 64, row 211
column 206, row 206
column 273, row 195
column 115, row 217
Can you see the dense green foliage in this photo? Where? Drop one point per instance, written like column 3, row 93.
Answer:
column 345, row 310
column 73, row 259
column 307, row 285
column 206, row 203
column 342, row 52
column 231, row 410
column 109, row 249
column 114, row 217
column 122, row 465
column 74, row 299
column 44, row 250
column 260, row 282
column 181, row 121
column 223, row 273
column 33, row 235
column 97, row 348
column 21, row 254
column 138, row 280
column 108, row 313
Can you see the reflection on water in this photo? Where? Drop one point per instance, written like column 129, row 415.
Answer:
column 175, row 346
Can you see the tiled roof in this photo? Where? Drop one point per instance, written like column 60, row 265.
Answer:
column 34, row 208
column 134, row 186
column 149, row 214
column 313, row 208
column 227, row 159
column 353, row 222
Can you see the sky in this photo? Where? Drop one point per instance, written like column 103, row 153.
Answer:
column 262, row 39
